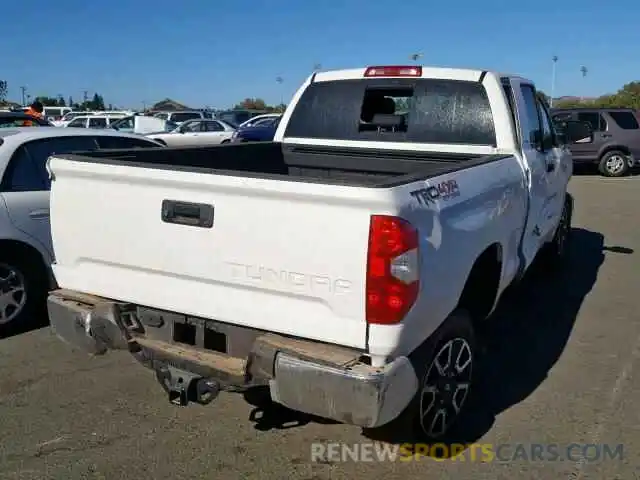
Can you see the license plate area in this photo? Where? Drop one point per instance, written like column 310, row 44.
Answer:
column 199, row 333
column 183, row 330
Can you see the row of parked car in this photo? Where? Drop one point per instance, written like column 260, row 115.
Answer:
column 168, row 128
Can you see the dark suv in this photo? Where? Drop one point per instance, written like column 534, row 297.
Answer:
column 615, row 143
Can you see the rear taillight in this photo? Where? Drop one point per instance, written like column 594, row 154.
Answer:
column 392, row 269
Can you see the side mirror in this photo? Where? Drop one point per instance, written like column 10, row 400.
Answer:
column 576, row 132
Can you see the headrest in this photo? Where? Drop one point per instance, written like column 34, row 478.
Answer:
column 387, row 120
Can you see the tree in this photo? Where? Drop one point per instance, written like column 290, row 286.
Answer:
column 252, row 104
column 97, row 103
column 4, row 90
column 46, row 101
column 627, row 97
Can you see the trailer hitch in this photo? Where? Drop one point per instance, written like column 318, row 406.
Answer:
column 184, row 387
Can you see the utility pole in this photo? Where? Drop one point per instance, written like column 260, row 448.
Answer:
column 85, row 96
column 24, row 96
column 554, row 59
column 280, row 81
column 584, row 71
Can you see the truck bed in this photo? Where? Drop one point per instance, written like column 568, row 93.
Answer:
column 265, row 236
column 328, row 165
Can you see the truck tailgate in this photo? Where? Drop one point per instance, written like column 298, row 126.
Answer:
column 281, row 256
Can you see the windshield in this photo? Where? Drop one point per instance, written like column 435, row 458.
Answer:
column 170, row 126
column 396, row 110
column 127, row 123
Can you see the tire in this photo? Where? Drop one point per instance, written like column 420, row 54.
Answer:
column 614, row 163
column 555, row 253
column 442, row 395
column 26, row 277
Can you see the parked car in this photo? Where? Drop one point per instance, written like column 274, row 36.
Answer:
column 92, row 121
column 236, row 118
column 26, row 250
column 181, row 116
column 615, row 144
column 18, row 119
column 113, row 114
column 258, row 119
column 196, row 132
column 55, row 113
column 262, row 130
column 343, row 266
column 142, row 125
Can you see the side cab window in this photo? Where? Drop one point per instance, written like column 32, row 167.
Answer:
column 548, row 132
column 532, row 124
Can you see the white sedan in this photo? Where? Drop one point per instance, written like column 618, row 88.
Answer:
column 196, row 132
column 26, row 248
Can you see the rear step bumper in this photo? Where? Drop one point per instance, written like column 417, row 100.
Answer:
column 310, row 377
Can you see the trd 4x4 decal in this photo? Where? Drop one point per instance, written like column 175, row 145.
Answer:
column 442, row 191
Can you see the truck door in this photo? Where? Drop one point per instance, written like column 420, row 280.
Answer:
column 546, row 162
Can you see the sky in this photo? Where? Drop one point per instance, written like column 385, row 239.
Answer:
column 216, row 53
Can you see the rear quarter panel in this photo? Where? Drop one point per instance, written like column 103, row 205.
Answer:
column 479, row 207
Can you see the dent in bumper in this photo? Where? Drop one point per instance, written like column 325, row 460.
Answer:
column 94, row 328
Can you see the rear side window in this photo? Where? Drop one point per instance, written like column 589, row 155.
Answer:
column 395, row 110
column 99, row 122
column 625, row 120
column 27, row 168
column 78, row 122
column 597, row 121
column 23, row 175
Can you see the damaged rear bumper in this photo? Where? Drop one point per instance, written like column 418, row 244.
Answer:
column 318, row 379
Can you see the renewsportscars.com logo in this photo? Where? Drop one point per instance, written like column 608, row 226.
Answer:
column 474, row 452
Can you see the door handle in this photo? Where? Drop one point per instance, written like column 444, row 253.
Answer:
column 186, row 213
column 606, row 135
column 39, row 214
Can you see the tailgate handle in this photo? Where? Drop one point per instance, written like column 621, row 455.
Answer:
column 185, row 213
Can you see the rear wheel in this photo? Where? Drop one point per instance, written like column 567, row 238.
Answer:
column 445, row 366
column 614, row 164
column 555, row 253
column 23, row 291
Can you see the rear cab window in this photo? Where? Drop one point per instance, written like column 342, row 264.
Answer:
column 410, row 110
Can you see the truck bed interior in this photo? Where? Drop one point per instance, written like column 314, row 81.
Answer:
column 320, row 164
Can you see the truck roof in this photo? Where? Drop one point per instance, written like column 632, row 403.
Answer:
column 468, row 74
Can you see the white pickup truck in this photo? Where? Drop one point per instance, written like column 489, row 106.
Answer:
column 343, row 265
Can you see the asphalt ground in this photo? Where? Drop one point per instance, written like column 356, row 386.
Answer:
column 561, row 369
